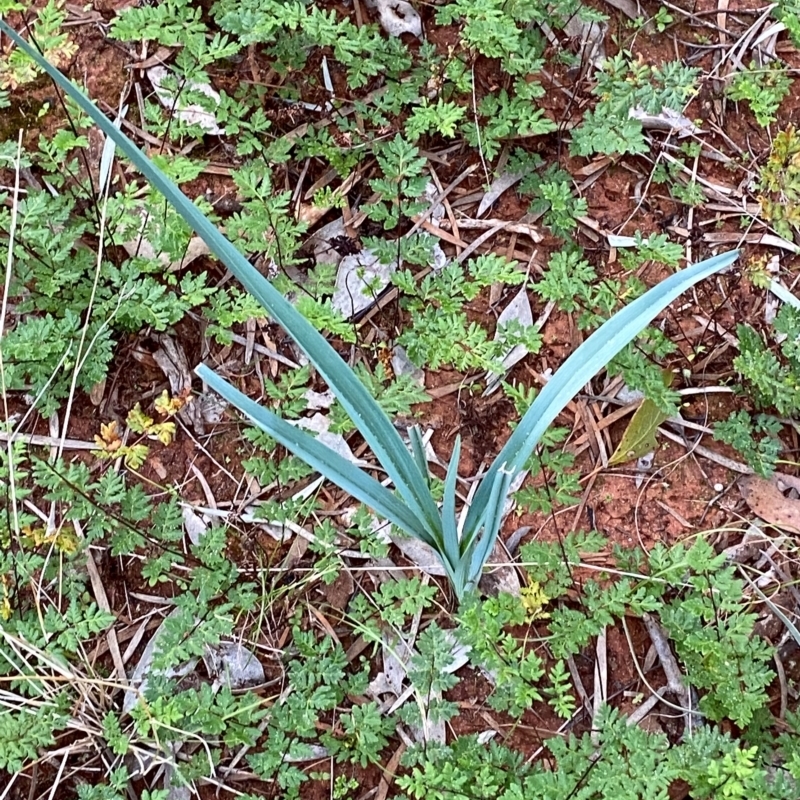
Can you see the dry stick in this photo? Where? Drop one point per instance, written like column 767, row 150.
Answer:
column 782, row 682
column 675, row 682
column 60, row 773
column 448, row 209
column 138, row 132
column 480, row 240
column 3, row 312
column 659, row 693
column 265, row 351
column 675, row 515
column 608, row 420
column 47, row 441
column 743, row 42
column 14, row 777
column 389, row 773
column 705, row 452
column 690, row 215
column 578, row 682
column 513, row 227
column 722, row 20
column 425, row 215
column 593, row 431
column 441, row 233
column 600, row 681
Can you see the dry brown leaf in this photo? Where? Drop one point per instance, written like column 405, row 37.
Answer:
column 172, row 361
column 160, row 56
column 765, row 500
column 339, row 592
column 97, row 392
column 502, row 578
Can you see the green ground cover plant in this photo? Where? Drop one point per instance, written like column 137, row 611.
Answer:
column 462, row 545
column 375, row 667
column 763, row 89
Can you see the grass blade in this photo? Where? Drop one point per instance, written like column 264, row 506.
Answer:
column 582, row 365
column 418, row 451
column 492, row 520
column 450, row 542
column 320, row 457
column 368, row 417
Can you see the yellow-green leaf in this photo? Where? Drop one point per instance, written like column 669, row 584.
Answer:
column 138, row 421
column 640, row 436
column 135, row 455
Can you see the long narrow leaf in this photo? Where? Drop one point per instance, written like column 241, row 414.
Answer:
column 418, row 451
column 368, row 417
column 320, row 457
column 492, row 520
column 582, row 365
column 451, row 546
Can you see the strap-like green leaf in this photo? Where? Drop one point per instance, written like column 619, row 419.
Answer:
column 492, row 520
column 582, row 365
column 418, row 451
column 320, row 457
column 451, row 545
column 368, row 417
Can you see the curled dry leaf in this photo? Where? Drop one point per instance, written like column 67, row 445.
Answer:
column 97, row 392
column 339, row 592
column 391, row 681
column 319, row 400
column 194, row 524
column 172, row 783
column 359, row 281
column 437, row 210
column 765, row 499
column 172, row 361
column 319, row 424
column 754, row 543
column 519, row 311
column 425, row 557
column 233, row 665
column 140, row 677
column 141, row 246
column 190, row 113
column 212, row 407
column 667, row 120
column 402, row 365
column 398, row 17
column 499, row 185
column 591, row 38
column 310, row 752
column 396, row 652
column 502, row 578
column 433, row 730
column 320, row 242
column 380, row 528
